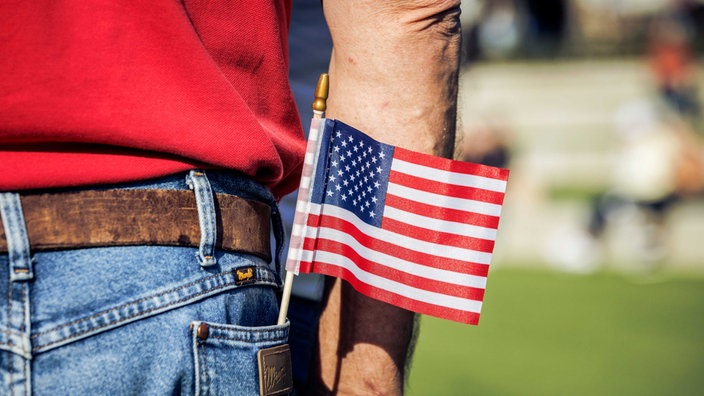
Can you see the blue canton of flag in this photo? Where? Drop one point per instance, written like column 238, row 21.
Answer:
column 357, row 174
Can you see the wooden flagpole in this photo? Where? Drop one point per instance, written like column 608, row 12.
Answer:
column 319, row 107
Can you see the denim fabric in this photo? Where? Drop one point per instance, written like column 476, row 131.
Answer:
column 125, row 320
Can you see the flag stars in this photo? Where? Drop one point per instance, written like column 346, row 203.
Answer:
column 354, row 167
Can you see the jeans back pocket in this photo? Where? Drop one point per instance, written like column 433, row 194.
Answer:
column 226, row 358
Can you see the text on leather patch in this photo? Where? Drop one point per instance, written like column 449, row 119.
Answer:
column 275, row 373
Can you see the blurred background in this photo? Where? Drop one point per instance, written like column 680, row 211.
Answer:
column 597, row 282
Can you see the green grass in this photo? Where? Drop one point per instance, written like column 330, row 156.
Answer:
column 544, row 333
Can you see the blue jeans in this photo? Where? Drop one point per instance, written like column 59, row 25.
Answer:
column 126, row 320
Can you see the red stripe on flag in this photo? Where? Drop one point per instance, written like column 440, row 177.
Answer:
column 449, row 165
column 437, row 237
column 305, row 267
column 395, row 299
column 429, row 260
column 436, row 286
column 437, row 212
column 450, row 190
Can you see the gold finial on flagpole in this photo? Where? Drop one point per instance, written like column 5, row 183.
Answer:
column 321, row 96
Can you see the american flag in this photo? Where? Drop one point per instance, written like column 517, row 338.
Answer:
column 410, row 229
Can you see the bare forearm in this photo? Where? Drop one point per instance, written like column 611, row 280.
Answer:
column 393, row 75
column 394, row 68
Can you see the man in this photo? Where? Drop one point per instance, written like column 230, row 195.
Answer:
column 125, row 122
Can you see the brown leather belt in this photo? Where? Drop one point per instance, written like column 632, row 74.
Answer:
column 95, row 218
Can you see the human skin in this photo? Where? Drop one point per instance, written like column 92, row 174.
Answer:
column 393, row 74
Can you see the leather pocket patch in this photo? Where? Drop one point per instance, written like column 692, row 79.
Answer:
column 275, row 373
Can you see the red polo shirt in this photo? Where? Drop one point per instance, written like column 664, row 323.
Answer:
column 112, row 91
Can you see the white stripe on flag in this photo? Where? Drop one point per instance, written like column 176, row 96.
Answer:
column 438, row 225
column 429, row 198
column 297, row 229
column 459, row 179
column 301, row 206
column 412, row 293
column 308, row 160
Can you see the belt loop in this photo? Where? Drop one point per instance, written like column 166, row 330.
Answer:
column 198, row 182
column 16, row 236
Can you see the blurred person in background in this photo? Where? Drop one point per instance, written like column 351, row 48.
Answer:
column 659, row 161
column 658, row 164
column 673, row 62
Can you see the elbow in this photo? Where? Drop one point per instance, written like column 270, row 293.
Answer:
column 441, row 17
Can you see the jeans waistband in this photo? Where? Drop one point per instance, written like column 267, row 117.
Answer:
column 209, row 189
